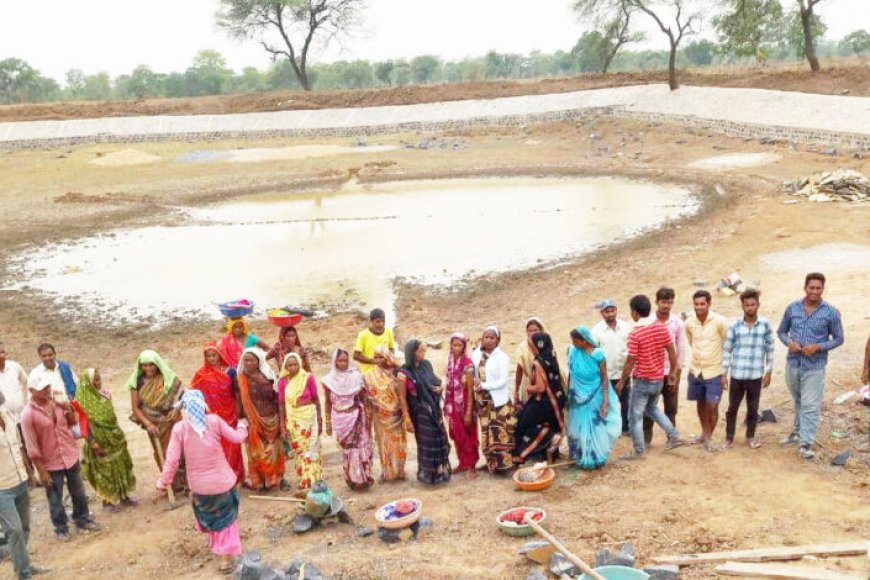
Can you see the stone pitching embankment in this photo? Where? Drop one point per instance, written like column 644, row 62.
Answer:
column 732, row 128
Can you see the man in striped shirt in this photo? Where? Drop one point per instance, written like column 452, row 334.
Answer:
column 748, row 357
column 644, row 365
column 810, row 328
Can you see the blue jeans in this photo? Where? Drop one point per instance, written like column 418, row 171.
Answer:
column 15, row 521
column 807, row 387
column 644, row 400
column 81, row 513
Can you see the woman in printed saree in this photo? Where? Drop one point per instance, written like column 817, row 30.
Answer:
column 154, row 391
column 216, row 380
column 540, row 423
column 199, row 439
column 594, row 420
column 106, row 462
column 525, row 360
column 301, row 421
column 423, row 390
column 459, row 405
column 288, row 341
column 496, row 411
column 346, row 416
column 390, row 415
column 237, row 339
column 259, row 398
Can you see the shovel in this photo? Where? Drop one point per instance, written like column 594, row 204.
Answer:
column 169, row 491
column 562, row 549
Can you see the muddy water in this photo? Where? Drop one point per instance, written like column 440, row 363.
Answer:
column 735, row 160
column 345, row 247
column 256, row 154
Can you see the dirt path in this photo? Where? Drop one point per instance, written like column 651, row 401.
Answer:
column 736, row 105
column 839, row 77
column 680, row 501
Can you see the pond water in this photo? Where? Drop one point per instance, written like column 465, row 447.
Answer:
column 346, row 247
column 735, row 160
column 257, row 154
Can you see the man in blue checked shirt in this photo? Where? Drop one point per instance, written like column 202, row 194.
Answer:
column 748, row 358
column 810, row 328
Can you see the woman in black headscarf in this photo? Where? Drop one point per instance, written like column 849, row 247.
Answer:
column 540, row 424
column 423, row 390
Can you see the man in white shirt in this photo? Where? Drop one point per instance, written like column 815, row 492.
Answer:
column 13, row 387
column 63, row 380
column 612, row 336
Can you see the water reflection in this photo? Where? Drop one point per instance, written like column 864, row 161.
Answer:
column 347, row 246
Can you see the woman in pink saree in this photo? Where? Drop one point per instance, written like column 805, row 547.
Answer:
column 346, row 417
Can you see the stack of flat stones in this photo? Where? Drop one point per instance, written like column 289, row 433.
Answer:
column 839, row 185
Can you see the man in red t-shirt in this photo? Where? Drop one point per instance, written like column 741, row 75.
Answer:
column 645, row 367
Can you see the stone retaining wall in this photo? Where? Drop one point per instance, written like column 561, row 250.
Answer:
column 736, row 129
column 752, row 130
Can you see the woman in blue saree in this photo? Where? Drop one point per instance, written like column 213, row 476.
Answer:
column 594, row 419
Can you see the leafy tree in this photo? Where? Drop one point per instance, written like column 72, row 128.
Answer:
column 747, row 27
column 402, row 73
column 208, row 75
column 699, row 52
column 673, row 17
column 590, row 52
column 857, row 41
column 75, row 83
column 295, row 24
column 617, row 34
column 142, row 82
column 810, row 27
column 97, row 87
column 384, row 72
column 424, row 69
column 16, row 78
column 251, row 80
column 796, row 36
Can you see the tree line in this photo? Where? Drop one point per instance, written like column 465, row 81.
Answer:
column 746, row 31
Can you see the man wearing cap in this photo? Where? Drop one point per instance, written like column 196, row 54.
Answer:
column 46, row 425
column 612, row 336
column 370, row 338
column 14, row 495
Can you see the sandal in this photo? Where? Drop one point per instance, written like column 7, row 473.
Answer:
column 711, row 447
column 755, row 444
column 697, row 440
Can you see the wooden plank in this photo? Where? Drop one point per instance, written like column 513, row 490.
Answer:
column 784, row 571
column 768, row 554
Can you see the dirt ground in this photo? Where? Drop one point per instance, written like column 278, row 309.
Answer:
column 674, row 502
column 839, row 76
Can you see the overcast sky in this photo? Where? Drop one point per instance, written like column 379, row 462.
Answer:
column 117, row 35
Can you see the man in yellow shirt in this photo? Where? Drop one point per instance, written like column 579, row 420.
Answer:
column 370, row 338
column 706, row 332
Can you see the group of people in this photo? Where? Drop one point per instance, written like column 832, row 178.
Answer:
column 238, row 405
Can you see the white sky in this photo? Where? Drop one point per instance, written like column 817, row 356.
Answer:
column 117, row 35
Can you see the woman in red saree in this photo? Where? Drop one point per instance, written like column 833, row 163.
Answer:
column 260, row 404
column 237, row 339
column 216, row 380
column 459, row 404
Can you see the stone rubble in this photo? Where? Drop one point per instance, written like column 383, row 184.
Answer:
column 839, row 185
